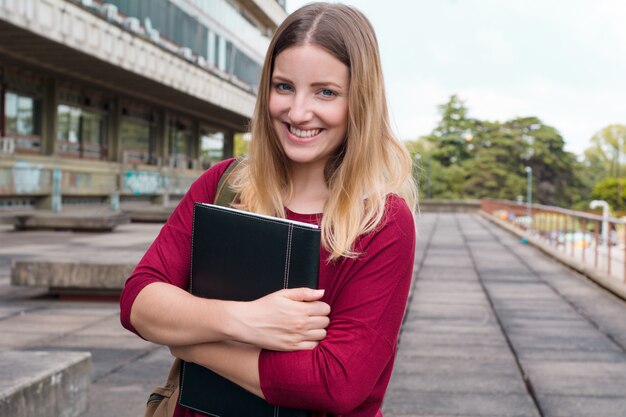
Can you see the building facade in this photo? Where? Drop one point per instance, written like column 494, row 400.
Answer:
column 128, row 98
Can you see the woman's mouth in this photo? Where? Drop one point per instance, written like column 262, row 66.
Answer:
column 303, row 133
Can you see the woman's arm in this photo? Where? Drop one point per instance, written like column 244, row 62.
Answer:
column 234, row 361
column 285, row 320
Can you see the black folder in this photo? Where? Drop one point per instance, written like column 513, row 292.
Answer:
column 236, row 255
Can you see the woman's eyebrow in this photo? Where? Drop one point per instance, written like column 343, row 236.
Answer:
column 280, row 78
column 327, row 84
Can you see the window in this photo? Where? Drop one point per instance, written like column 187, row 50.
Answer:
column 180, row 143
column 22, row 121
column 80, row 133
column 138, row 141
column 211, row 148
column 138, row 134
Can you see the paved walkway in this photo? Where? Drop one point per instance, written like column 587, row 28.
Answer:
column 494, row 328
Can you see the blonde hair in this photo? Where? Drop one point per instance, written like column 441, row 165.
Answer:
column 369, row 165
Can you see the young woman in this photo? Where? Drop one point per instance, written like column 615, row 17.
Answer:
column 322, row 152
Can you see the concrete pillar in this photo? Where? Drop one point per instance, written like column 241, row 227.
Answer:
column 114, row 130
column 162, row 146
column 54, row 201
column 49, row 105
column 195, row 141
column 229, row 144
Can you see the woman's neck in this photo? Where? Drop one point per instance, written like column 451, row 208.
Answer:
column 310, row 190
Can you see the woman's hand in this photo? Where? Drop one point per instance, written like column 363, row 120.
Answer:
column 286, row 320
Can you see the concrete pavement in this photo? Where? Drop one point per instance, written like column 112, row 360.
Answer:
column 497, row 329
column 494, row 327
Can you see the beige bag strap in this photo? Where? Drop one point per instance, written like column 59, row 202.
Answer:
column 162, row 401
column 224, row 195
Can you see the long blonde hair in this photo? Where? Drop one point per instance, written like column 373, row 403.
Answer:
column 369, row 165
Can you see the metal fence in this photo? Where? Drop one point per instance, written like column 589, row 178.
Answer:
column 596, row 241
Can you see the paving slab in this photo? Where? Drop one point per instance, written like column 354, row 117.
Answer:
column 582, row 406
column 399, row 401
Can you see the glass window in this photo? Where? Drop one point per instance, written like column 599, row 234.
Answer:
column 180, row 144
column 22, row 120
column 80, row 133
column 92, row 135
column 138, row 141
column 211, row 148
column 215, row 29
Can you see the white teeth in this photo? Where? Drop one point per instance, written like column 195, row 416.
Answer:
column 303, row 133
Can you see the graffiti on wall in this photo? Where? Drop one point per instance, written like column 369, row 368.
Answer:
column 26, row 177
column 142, row 182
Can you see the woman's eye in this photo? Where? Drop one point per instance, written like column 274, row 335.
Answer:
column 327, row 93
column 282, row 87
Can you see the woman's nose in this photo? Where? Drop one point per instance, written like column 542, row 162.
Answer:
column 301, row 110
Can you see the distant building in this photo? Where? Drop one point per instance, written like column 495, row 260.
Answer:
column 128, row 97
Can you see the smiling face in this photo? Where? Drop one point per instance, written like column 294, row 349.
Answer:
column 308, row 103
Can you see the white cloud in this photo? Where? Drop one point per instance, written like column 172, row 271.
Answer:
column 497, row 48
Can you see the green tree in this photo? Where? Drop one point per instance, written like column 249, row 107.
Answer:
column 554, row 169
column 607, row 148
column 607, row 190
column 495, row 169
column 479, row 159
column 604, row 158
column 241, row 144
column 453, row 133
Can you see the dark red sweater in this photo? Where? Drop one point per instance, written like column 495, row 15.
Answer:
column 347, row 374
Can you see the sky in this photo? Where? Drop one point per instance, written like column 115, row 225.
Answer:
column 563, row 61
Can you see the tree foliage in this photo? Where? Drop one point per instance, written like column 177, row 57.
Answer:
column 613, row 191
column 465, row 157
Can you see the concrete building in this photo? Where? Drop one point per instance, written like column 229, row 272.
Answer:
column 128, row 98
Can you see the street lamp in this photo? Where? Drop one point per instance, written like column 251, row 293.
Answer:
column 605, row 218
column 529, row 193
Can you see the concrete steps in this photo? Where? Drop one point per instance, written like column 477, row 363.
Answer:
column 44, row 384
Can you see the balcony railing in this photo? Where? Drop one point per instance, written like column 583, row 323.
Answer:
column 593, row 240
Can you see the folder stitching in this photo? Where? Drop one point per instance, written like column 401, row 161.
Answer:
column 288, row 257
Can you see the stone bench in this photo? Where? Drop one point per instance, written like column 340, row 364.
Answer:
column 37, row 220
column 44, row 384
column 72, row 277
column 148, row 213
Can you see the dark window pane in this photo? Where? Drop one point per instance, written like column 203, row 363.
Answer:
column 137, row 141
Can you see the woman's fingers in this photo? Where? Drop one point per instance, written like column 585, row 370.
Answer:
column 317, row 322
column 302, row 294
column 317, row 308
column 292, row 319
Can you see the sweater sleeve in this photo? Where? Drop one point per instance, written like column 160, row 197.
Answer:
column 368, row 302
column 168, row 258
